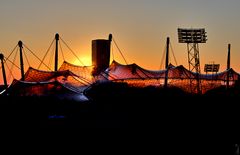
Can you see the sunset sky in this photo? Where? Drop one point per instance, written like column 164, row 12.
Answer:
column 140, row 28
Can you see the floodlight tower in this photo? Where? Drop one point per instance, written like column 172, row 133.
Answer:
column 192, row 37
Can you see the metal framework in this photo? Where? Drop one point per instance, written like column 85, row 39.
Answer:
column 192, row 37
column 167, row 62
column 211, row 68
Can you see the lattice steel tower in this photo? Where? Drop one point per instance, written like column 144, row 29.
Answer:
column 192, row 37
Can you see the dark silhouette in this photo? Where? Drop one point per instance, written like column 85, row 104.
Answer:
column 117, row 104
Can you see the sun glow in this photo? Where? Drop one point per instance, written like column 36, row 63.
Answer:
column 86, row 60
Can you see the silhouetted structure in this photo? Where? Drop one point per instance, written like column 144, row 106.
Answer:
column 211, row 68
column 192, row 37
column 79, row 78
column 3, row 70
column 228, row 64
column 101, row 54
column 167, row 62
column 20, row 44
column 56, row 52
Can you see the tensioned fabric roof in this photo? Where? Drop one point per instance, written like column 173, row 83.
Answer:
column 117, row 71
column 78, row 78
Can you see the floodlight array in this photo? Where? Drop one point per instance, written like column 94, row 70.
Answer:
column 192, row 35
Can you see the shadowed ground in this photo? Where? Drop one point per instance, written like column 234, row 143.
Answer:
column 118, row 105
column 167, row 120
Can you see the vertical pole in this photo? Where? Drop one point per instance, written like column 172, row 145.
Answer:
column 56, row 52
column 21, row 59
column 110, row 37
column 3, row 70
column 167, row 53
column 197, row 67
column 110, row 48
column 228, row 59
column 228, row 64
column 167, row 62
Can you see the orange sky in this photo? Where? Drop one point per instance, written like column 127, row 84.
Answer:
column 140, row 28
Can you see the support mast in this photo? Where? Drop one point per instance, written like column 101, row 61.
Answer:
column 167, row 62
column 56, row 52
column 193, row 37
column 3, row 70
column 20, row 44
column 228, row 64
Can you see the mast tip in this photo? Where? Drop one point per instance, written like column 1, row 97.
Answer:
column 1, row 56
column 57, row 36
